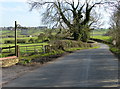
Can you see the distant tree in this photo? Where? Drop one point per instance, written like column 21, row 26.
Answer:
column 41, row 36
column 115, row 26
column 72, row 14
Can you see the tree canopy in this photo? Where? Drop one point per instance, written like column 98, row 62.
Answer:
column 115, row 19
column 72, row 14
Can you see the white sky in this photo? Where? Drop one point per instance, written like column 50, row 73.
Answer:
column 13, row 0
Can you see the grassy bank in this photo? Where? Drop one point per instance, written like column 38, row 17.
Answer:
column 42, row 58
column 115, row 50
column 107, row 40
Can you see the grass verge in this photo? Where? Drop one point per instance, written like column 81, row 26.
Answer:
column 74, row 49
column 43, row 58
column 116, row 51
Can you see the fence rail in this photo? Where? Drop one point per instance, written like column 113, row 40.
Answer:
column 7, row 47
column 21, row 50
column 31, row 45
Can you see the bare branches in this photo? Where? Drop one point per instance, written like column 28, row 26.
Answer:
column 115, row 33
column 68, row 13
column 77, row 4
column 38, row 4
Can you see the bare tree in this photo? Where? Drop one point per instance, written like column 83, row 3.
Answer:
column 72, row 14
column 116, row 24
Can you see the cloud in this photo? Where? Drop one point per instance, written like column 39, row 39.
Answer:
column 13, row 0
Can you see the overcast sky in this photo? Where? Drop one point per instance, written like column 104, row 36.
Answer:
column 18, row 10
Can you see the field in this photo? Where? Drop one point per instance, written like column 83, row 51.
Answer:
column 28, row 48
column 100, row 34
column 25, row 48
column 106, row 38
column 26, row 39
column 22, row 33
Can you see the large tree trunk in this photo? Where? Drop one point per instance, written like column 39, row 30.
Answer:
column 76, row 36
column 82, row 35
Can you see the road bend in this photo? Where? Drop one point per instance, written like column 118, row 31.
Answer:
column 84, row 68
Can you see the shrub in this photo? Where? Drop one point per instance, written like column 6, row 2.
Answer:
column 21, row 41
column 64, row 44
column 42, row 36
column 13, row 41
column 9, row 41
column 52, row 37
column 24, row 61
column 31, row 40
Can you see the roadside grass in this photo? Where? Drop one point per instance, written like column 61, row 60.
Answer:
column 74, row 49
column 112, row 48
column 115, row 50
column 28, row 59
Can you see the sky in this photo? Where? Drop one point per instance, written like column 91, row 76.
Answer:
column 18, row 10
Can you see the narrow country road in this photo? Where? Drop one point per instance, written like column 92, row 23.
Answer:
column 85, row 68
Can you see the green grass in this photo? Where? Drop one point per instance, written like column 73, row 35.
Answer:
column 74, row 49
column 115, row 50
column 106, row 38
column 23, row 50
column 29, row 58
column 25, row 38
column 19, row 32
column 41, row 55
column 98, row 32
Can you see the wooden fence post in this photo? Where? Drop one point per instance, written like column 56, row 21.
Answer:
column 34, row 49
column 43, row 48
column 9, row 49
column 26, row 49
column 0, row 50
column 16, row 38
column 18, row 51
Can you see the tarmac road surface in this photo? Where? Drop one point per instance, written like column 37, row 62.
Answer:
column 84, row 68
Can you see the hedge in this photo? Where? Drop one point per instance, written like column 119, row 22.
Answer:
column 18, row 41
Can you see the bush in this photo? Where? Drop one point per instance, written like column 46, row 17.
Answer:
column 64, row 44
column 13, row 41
column 31, row 40
column 42, row 36
column 9, row 41
column 21, row 41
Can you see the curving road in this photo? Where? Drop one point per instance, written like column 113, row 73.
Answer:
column 86, row 68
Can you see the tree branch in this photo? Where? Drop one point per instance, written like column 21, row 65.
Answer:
column 62, row 15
